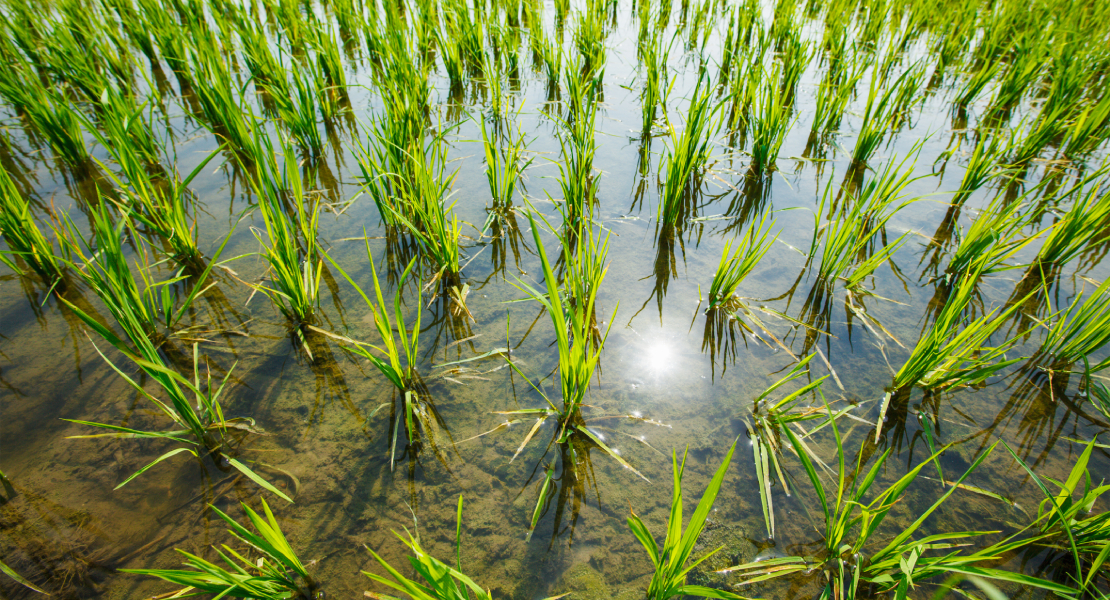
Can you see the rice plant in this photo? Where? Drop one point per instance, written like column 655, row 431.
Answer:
column 147, row 317
column 1090, row 129
column 576, row 143
column 453, row 60
column 397, row 358
column 26, row 242
column 16, row 577
column 849, row 520
column 766, row 438
column 1045, row 128
column 1067, row 524
column 465, row 31
column 1082, row 225
column 426, row 213
column 847, row 239
column 158, row 202
column 504, row 162
column 330, row 65
column 384, row 161
column 288, row 245
column 994, row 237
column 222, row 110
column 795, row 56
column 144, row 309
column 949, row 355
column 735, row 266
column 437, row 580
column 653, row 61
column 589, row 38
column 878, row 113
column 982, row 167
column 1018, row 76
column 771, row 119
column 1079, row 331
column 670, row 559
column 277, row 572
column 831, row 102
column 122, row 121
column 268, row 72
column 296, row 104
column 976, row 84
column 579, row 341
column 1096, row 391
column 687, row 155
column 49, row 113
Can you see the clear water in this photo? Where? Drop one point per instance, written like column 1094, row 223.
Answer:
column 328, row 445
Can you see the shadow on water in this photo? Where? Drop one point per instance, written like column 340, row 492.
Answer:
column 64, row 551
column 566, row 480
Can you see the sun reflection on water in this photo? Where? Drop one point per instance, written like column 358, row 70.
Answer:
column 658, row 357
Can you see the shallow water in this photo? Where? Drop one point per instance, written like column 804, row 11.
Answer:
column 327, row 443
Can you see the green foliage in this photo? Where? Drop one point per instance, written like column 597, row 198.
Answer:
column 1083, row 224
column 156, row 200
column 848, row 239
column 848, row 522
column 576, row 144
column 736, row 265
column 289, row 245
column 687, row 154
column 437, row 580
column 766, row 438
column 994, row 237
column 1068, row 525
column 670, row 559
column 48, row 112
column 884, row 104
column 1080, row 330
column 147, row 317
column 25, row 240
column 982, row 167
column 770, row 121
column 276, row 574
column 504, row 162
column 948, row 355
column 400, row 351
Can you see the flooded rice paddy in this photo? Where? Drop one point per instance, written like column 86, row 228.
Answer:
column 672, row 378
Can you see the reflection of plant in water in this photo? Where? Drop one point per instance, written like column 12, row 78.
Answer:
column 451, row 318
column 665, row 265
column 505, row 237
column 575, row 475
